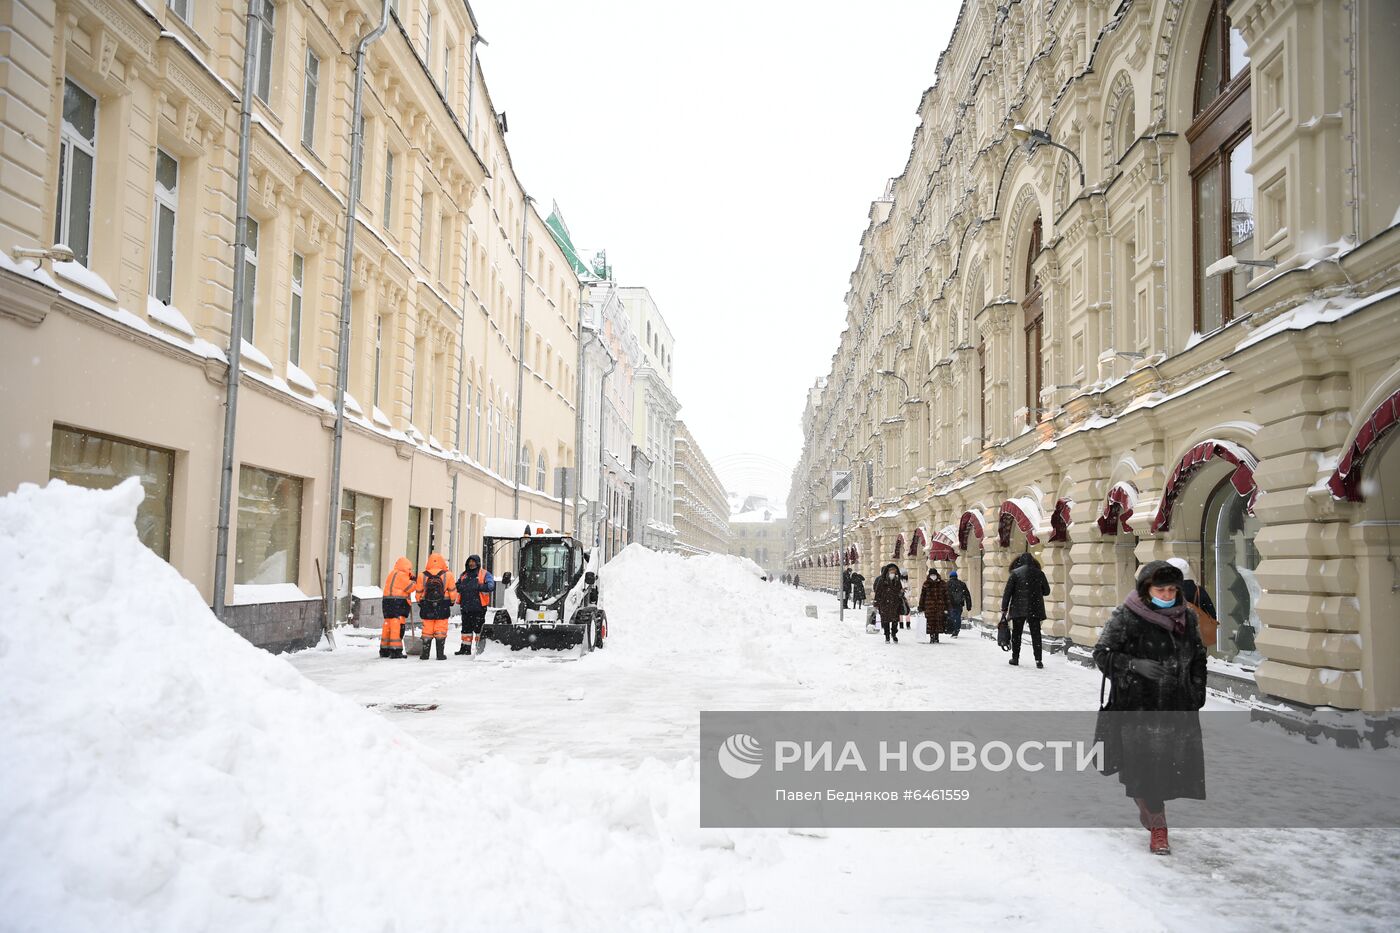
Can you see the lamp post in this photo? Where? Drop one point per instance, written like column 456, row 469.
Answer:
column 1032, row 139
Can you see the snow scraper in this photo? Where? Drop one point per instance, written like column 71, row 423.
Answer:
column 549, row 605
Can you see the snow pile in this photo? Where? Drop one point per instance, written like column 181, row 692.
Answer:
column 160, row 773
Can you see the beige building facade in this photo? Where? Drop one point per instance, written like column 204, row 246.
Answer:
column 701, row 506
column 759, row 531
column 1035, row 361
column 121, row 140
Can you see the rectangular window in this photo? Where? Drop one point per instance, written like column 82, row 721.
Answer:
column 163, row 244
column 264, row 22
column 444, row 234
column 423, row 205
column 364, row 150
column 96, row 461
column 183, row 9
column 268, row 545
column 467, row 417
column 294, row 338
column 308, row 99
column 378, row 355
column 250, row 279
column 1034, row 373
column 428, row 39
column 388, row 189
column 77, row 153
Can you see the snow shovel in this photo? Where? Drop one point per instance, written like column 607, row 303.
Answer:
column 412, row 644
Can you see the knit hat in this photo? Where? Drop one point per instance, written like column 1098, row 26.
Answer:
column 952, row 573
column 1180, row 564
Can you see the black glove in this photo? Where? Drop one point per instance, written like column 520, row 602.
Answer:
column 1145, row 667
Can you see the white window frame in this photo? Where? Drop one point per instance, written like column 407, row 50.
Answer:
column 69, row 139
column 428, row 38
column 447, row 50
column 295, row 308
column 265, row 28
column 164, row 199
column 183, row 9
column 250, row 291
column 378, row 356
column 311, row 87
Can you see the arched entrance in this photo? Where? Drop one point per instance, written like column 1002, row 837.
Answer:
column 1117, row 510
column 970, row 530
column 1207, row 511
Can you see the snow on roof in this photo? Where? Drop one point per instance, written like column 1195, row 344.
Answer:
column 758, row 516
column 513, row 528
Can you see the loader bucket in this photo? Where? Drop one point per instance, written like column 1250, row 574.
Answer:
column 560, row 638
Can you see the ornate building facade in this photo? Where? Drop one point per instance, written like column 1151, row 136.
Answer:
column 121, row 140
column 1044, row 351
column 701, row 506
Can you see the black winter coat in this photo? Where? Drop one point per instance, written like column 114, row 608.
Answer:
column 1151, row 730
column 889, row 596
column 1026, row 589
column 959, row 594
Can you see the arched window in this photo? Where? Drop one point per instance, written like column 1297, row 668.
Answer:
column 541, row 472
column 522, row 472
column 1033, row 313
column 1124, row 125
column 1221, row 187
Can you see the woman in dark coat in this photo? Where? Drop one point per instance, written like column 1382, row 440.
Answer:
column 858, row 589
column 1151, row 651
column 889, row 601
column 933, row 603
column 1023, row 601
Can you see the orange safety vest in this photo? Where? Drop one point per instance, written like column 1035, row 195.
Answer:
column 483, row 595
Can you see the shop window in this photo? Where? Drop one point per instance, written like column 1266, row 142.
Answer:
column 1230, row 557
column 360, row 537
column 415, row 530
column 96, row 461
column 268, row 546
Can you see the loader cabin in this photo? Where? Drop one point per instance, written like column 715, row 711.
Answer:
column 548, row 564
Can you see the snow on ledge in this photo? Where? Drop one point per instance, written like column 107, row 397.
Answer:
column 247, row 594
column 299, row 380
column 85, row 278
column 366, row 592
column 169, row 316
column 256, row 356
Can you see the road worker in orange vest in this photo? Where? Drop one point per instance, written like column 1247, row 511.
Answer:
column 398, row 588
column 474, row 589
column 437, row 591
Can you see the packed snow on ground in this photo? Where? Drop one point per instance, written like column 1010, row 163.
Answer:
column 159, row 773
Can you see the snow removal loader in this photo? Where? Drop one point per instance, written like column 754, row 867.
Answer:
column 549, row 605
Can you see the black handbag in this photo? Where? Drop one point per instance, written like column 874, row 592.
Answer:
column 1004, row 635
column 1111, row 684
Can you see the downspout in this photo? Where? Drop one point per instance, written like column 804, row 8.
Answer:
column 357, row 144
column 578, row 416
column 1353, row 66
column 235, row 327
column 602, row 423
column 471, row 87
column 520, row 357
column 1161, row 182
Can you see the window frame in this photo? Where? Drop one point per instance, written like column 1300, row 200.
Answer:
column 1217, row 129
column 1033, row 314
column 167, row 199
column 69, row 138
column 264, row 50
column 388, row 189
column 174, row 6
column 252, row 234
column 295, row 303
column 310, row 97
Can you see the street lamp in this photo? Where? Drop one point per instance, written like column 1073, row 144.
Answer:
column 1032, row 139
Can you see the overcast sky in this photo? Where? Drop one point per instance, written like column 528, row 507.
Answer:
column 725, row 154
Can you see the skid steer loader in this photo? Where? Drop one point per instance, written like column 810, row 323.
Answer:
column 550, row 604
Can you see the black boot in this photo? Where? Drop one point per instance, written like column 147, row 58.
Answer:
column 441, row 648
column 427, row 647
column 383, row 652
column 1015, row 661
column 464, row 649
column 1038, row 664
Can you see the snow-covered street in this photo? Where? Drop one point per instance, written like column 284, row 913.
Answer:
column 160, row 773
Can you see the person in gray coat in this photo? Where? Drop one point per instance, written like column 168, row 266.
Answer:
column 1023, row 602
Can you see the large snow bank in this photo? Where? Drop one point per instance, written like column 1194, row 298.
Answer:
column 160, row 773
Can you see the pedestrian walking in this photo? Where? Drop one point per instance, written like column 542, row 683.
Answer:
column 796, row 580
column 1198, row 598
column 398, row 587
column 474, row 589
column 889, row 601
column 846, row 588
column 1152, row 655
column 437, row 591
column 858, row 589
column 904, row 598
column 959, row 597
column 1023, row 602
column 933, row 603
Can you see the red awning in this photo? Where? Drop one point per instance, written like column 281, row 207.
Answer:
column 1242, row 478
column 969, row 524
column 1013, row 510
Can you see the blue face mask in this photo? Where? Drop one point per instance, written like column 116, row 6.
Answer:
column 1163, row 603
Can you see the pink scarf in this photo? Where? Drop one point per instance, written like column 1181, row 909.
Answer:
column 1173, row 618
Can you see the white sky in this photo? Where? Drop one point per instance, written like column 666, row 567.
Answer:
column 725, row 154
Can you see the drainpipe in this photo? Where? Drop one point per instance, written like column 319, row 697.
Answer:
column 235, row 327
column 602, row 423
column 357, row 144
column 471, row 87
column 520, row 355
column 578, row 417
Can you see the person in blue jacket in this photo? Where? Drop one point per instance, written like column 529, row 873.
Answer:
column 474, row 589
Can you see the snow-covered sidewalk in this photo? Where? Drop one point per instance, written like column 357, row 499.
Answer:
column 161, row 774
